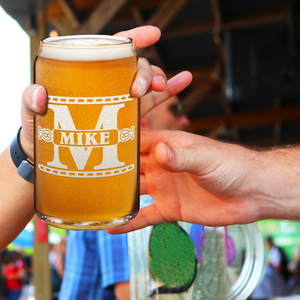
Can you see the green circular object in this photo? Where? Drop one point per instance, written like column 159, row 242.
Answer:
column 172, row 256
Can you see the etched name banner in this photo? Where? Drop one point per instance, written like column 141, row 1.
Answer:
column 80, row 143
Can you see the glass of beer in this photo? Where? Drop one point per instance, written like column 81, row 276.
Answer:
column 87, row 141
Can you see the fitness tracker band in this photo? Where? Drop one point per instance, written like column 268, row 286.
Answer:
column 19, row 158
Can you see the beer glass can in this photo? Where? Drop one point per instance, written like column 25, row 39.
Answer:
column 87, row 142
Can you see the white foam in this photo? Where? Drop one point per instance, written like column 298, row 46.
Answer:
column 87, row 48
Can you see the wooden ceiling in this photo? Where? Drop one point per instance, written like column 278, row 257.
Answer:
column 192, row 39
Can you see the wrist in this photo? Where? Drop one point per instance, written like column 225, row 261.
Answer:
column 20, row 159
column 26, row 146
column 280, row 188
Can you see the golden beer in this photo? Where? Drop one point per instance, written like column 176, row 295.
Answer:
column 87, row 141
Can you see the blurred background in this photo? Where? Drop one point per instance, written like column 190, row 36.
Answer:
column 244, row 57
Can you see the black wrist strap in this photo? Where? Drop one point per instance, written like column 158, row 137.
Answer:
column 20, row 159
column 16, row 152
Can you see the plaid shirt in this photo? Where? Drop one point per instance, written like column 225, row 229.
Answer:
column 95, row 261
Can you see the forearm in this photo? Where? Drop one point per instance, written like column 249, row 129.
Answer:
column 59, row 265
column 122, row 290
column 278, row 186
column 16, row 200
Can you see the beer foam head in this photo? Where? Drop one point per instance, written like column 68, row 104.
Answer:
column 87, row 48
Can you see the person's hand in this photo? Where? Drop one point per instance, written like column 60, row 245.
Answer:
column 150, row 84
column 199, row 180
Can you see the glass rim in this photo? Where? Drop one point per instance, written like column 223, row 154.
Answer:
column 74, row 48
column 48, row 41
column 254, row 265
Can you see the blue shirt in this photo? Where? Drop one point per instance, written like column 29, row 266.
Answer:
column 271, row 286
column 95, row 261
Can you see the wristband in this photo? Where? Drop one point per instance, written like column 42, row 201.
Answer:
column 20, row 159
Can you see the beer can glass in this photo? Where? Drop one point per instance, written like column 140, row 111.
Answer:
column 87, row 141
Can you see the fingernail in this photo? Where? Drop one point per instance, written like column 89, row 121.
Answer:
column 163, row 80
column 34, row 104
column 170, row 153
column 142, row 86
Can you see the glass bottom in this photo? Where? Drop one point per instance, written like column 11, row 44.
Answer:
column 81, row 225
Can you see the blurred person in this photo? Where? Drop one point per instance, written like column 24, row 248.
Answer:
column 28, row 289
column 170, row 115
column 294, row 270
column 97, row 264
column 293, row 283
column 3, row 256
column 57, row 264
column 277, row 258
column 272, row 285
column 14, row 273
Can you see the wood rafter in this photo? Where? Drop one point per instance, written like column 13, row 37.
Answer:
column 217, row 14
column 100, row 16
column 254, row 118
column 152, row 52
column 70, row 11
column 200, row 76
column 166, row 12
column 196, row 95
column 278, row 123
column 203, row 26
column 163, row 16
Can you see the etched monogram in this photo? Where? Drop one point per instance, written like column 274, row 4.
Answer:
column 82, row 142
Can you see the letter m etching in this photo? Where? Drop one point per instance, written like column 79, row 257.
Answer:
column 108, row 120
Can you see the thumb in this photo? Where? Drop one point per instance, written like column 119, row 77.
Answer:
column 33, row 103
column 176, row 159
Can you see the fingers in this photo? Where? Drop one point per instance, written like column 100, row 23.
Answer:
column 174, row 85
column 150, row 138
column 147, row 78
column 159, row 80
column 33, row 100
column 150, row 80
column 176, row 159
column 33, row 103
column 147, row 216
column 177, row 151
column 142, row 36
column 143, row 184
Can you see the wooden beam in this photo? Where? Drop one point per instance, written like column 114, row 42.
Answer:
column 196, row 95
column 206, row 26
column 166, row 12
column 190, row 28
column 163, row 16
column 143, row 4
column 217, row 14
column 101, row 15
column 261, row 17
column 278, row 123
column 254, row 118
column 41, row 267
column 64, row 26
column 70, row 11
column 201, row 75
column 151, row 51
column 137, row 16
